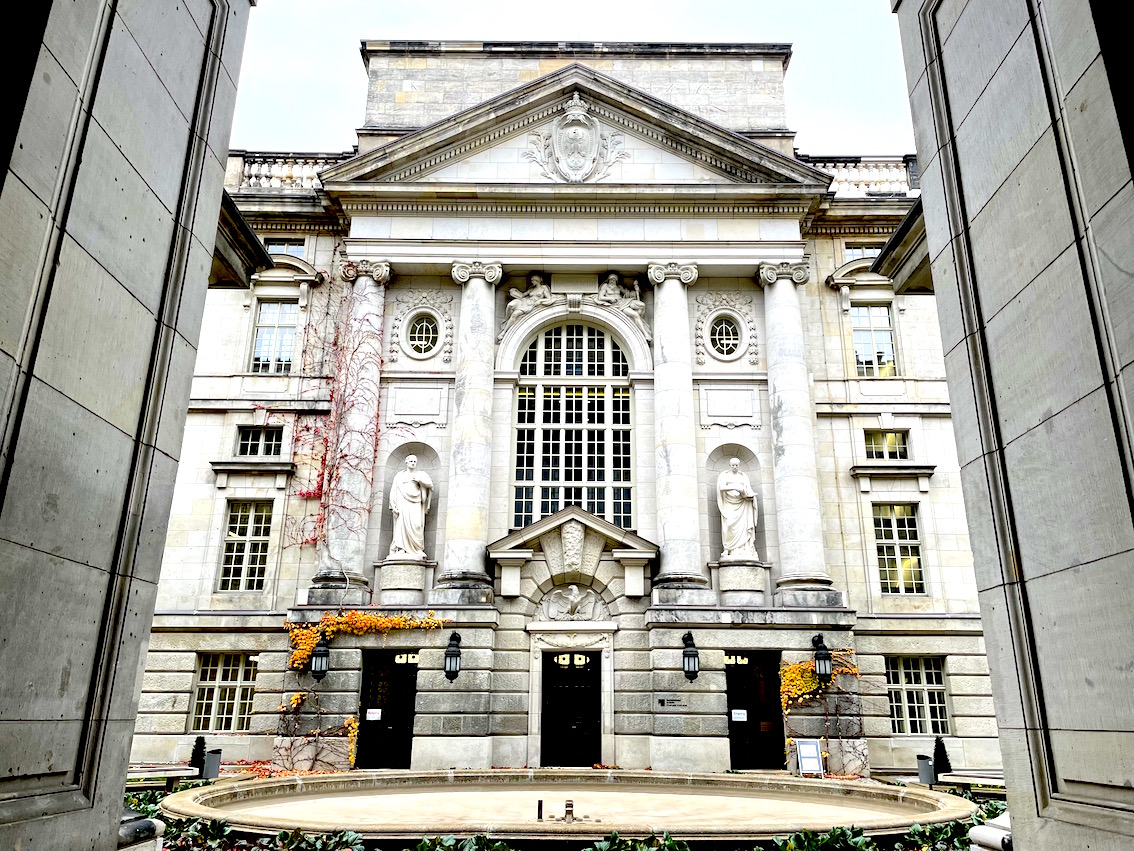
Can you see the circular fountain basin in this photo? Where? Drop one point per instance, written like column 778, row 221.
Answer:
column 503, row 803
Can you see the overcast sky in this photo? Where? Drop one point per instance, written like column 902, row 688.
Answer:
column 303, row 86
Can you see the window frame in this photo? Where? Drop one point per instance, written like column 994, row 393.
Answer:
column 244, row 690
column 245, row 583
column 407, row 324
column 289, row 242
column 618, row 495
column 903, row 449
column 257, row 306
column 897, row 543
column 851, row 246
column 933, row 695
column 891, row 327
column 262, row 430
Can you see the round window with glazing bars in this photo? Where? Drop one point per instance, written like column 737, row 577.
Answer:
column 422, row 334
column 724, row 336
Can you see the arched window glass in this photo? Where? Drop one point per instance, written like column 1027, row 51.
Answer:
column 573, row 425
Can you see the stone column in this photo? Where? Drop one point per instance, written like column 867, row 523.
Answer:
column 462, row 579
column 803, row 580
column 681, row 578
column 349, row 474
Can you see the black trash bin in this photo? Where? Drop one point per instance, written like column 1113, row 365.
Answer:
column 212, row 764
column 924, row 769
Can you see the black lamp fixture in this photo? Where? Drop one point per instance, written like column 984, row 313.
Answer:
column 453, row 657
column 690, row 659
column 320, row 659
column 823, row 667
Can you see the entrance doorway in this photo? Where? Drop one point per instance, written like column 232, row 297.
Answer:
column 755, row 717
column 385, row 709
column 571, row 733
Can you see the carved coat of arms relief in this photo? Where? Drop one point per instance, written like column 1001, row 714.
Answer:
column 576, row 148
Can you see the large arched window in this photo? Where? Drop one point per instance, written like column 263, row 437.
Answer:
column 573, row 426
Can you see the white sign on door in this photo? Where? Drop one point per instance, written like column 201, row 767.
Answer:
column 373, row 714
column 740, row 715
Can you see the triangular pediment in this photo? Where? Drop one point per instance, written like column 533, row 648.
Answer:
column 574, row 126
column 530, row 537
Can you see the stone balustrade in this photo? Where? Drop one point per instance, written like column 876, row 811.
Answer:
column 248, row 171
column 863, row 176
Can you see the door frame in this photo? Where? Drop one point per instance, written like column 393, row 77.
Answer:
column 559, row 636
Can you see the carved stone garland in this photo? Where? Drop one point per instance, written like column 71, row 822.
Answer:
column 408, row 301
column 742, row 304
column 576, row 149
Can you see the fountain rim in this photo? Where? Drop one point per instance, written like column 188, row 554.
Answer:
column 926, row 806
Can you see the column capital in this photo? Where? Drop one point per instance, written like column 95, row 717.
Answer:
column 463, row 272
column 377, row 270
column 661, row 272
column 769, row 273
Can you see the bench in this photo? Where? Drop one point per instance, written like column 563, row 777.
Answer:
column 169, row 773
column 992, row 781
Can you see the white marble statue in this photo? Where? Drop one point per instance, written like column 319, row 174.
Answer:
column 625, row 299
column 410, row 499
column 538, row 294
column 737, row 503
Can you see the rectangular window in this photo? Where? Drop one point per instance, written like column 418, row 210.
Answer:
column 899, row 549
column 860, row 251
column 294, row 247
column 873, row 340
column 246, row 545
column 259, row 440
column 224, row 692
column 887, row 445
column 274, row 341
column 916, row 686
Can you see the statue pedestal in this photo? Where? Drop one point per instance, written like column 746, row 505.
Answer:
column 401, row 581
column 743, row 581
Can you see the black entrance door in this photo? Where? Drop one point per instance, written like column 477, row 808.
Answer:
column 755, row 718
column 385, row 709
column 571, row 730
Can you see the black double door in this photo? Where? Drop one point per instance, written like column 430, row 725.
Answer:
column 571, row 727
column 755, row 717
column 385, row 709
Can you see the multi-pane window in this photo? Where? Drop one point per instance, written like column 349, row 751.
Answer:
column 724, row 336
column 259, row 440
column 916, row 686
column 422, row 333
column 858, row 251
column 247, row 530
column 294, row 247
column 274, row 341
column 873, row 340
column 899, row 549
column 223, row 701
column 887, row 445
column 572, row 444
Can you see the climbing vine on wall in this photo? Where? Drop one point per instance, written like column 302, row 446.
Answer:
column 799, row 684
column 304, row 636
column 841, row 716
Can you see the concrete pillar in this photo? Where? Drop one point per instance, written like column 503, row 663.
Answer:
column 462, row 579
column 803, row 579
column 349, row 475
column 681, row 579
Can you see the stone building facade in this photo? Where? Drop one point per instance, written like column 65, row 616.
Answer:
column 572, row 283
column 1024, row 132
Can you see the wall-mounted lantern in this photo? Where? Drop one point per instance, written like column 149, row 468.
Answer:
column 690, row 659
column 453, row 657
column 823, row 666
column 320, row 659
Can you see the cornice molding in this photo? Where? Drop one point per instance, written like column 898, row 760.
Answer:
column 566, row 207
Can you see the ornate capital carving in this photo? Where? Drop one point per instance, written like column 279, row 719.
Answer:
column 686, row 273
column 463, row 272
column 771, row 272
column 378, row 271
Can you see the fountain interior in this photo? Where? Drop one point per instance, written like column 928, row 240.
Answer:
column 504, row 804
